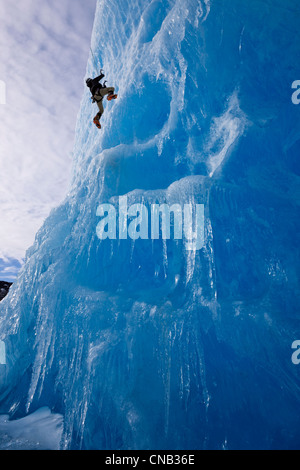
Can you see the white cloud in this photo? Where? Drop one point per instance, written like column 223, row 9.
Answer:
column 44, row 49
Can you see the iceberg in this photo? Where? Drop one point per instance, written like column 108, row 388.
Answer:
column 141, row 343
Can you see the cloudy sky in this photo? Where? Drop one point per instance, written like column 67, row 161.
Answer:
column 44, row 48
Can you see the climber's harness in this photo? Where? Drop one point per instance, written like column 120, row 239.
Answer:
column 97, row 97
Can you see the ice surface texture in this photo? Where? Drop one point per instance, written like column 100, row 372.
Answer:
column 145, row 345
column 40, row 430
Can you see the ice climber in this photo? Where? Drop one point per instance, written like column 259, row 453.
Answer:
column 98, row 92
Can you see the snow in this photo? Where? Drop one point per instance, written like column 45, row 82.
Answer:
column 142, row 344
column 39, row 431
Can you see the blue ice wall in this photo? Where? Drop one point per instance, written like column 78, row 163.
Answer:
column 144, row 344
